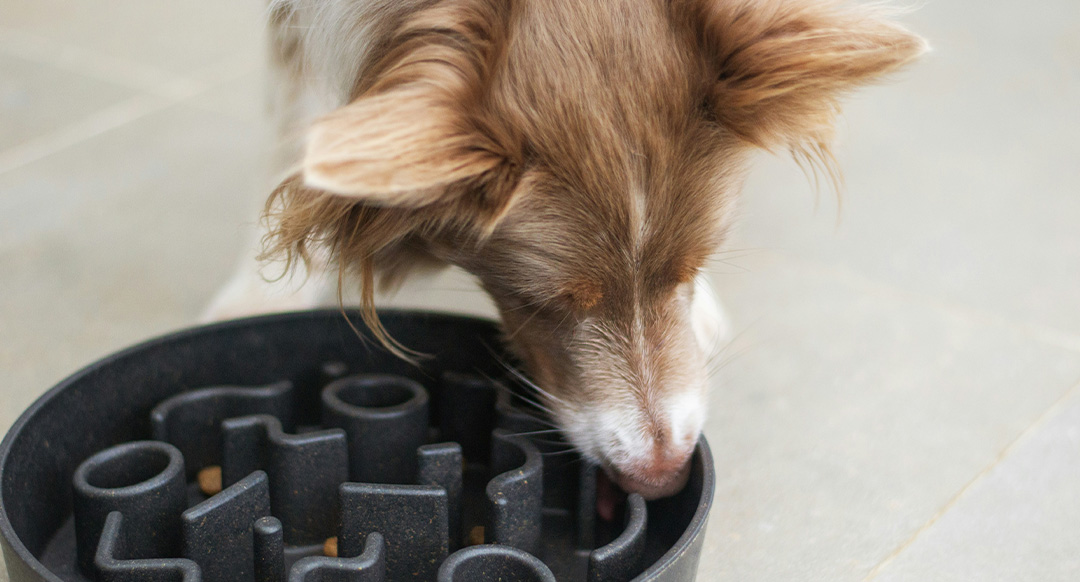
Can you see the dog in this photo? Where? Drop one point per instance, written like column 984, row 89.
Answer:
column 580, row 158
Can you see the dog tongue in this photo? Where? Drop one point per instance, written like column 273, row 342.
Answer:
column 608, row 497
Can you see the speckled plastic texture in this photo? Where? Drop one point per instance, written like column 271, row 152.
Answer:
column 437, row 472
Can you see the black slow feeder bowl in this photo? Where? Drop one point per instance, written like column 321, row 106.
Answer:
column 246, row 451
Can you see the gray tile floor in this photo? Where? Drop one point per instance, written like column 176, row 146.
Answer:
column 901, row 401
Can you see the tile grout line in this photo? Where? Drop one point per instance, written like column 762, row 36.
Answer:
column 81, row 61
column 117, row 115
column 1043, row 418
column 1041, row 333
column 88, row 127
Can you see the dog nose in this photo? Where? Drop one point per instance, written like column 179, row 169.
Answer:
column 662, row 475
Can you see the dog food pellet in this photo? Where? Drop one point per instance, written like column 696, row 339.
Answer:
column 329, row 547
column 210, row 480
column 476, row 536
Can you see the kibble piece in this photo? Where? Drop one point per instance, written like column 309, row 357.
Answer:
column 329, row 547
column 210, row 480
column 476, row 535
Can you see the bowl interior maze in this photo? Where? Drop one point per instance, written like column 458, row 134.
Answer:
column 332, row 462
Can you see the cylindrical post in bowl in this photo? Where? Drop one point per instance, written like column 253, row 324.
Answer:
column 143, row 480
column 385, row 418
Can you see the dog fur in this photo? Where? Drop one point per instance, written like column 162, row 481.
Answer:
column 581, row 158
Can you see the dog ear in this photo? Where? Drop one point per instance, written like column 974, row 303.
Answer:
column 413, row 160
column 780, row 66
column 402, row 147
column 417, row 133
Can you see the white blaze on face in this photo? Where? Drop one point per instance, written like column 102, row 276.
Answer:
column 628, row 430
column 620, row 436
column 623, row 430
column 633, row 418
column 686, row 411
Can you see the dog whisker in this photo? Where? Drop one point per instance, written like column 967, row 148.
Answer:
column 558, row 453
column 536, row 432
column 533, row 403
column 524, row 380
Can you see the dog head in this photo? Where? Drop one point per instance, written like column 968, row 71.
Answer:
column 581, row 160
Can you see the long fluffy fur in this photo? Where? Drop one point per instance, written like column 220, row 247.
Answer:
column 773, row 74
column 579, row 157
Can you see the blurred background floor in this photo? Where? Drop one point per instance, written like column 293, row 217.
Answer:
column 901, row 401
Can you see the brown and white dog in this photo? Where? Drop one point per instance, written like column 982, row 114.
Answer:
column 579, row 157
